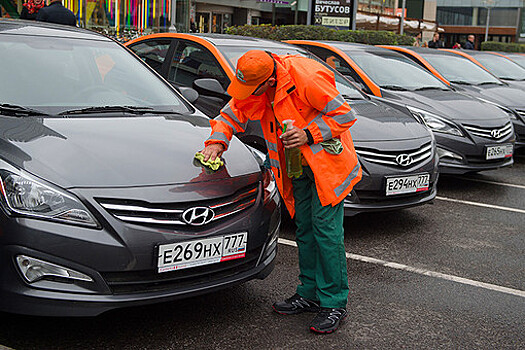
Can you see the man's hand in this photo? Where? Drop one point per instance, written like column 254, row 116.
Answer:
column 294, row 138
column 213, row 151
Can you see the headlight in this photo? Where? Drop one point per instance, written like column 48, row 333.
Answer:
column 509, row 112
column 434, row 122
column 25, row 195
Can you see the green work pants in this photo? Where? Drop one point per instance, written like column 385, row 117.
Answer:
column 320, row 239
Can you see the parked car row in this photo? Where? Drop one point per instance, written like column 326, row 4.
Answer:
column 102, row 206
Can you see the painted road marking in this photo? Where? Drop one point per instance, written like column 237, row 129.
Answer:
column 522, row 187
column 452, row 278
column 477, row 204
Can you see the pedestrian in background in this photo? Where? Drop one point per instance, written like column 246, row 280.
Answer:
column 269, row 89
column 55, row 12
column 469, row 45
column 417, row 42
column 435, row 43
column 30, row 9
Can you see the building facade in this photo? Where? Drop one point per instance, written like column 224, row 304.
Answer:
column 459, row 18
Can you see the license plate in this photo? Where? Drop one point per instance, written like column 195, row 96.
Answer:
column 178, row 256
column 500, row 151
column 407, row 184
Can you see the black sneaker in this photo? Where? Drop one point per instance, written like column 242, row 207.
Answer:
column 328, row 320
column 295, row 305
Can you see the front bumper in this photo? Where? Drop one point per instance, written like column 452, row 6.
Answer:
column 369, row 195
column 121, row 260
column 469, row 154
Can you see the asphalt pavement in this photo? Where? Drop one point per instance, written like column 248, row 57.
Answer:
column 445, row 276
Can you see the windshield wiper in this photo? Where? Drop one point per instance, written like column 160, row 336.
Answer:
column 117, row 109
column 489, row 83
column 460, row 82
column 348, row 97
column 394, row 87
column 430, row 88
column 18, row 111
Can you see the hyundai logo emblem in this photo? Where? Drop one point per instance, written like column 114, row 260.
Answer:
column 404, row 159
column 198, row 216
column 495, row 133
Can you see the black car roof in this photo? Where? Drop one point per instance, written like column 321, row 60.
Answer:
column 427, row 50
column 34, row 28
column 238, row 40
column 355, row 47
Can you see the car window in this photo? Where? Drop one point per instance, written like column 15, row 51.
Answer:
column 233, row 53
column 153, row 52
column 192, row 61
column 57, row 74
column 501, row 67
column 395, row 71
column 458, row 69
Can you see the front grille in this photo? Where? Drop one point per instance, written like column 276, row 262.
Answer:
column 401, row 159
column 152, row 281
column 521, row 112
column 491, row 133
column 171, row 214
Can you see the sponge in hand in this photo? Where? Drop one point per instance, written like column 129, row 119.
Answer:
column 211, row 164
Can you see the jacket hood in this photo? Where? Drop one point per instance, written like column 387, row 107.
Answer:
column 116, row 152
column 376, row 121
column 449, row 104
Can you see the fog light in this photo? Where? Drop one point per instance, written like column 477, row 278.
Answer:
column 443, row 153
column 35, row 269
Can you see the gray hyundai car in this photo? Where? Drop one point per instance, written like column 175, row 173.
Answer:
column 471, row 135
column 397, row 154
column 469, row 78
column 101, row 203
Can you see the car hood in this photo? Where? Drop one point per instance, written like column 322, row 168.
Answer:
column 376, row 121
column 116, row 152
column 449, row 104
column 504, row 95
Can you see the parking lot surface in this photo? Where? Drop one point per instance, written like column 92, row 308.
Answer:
column 441, row 276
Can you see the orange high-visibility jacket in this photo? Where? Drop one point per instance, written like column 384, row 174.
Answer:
column 306, row 94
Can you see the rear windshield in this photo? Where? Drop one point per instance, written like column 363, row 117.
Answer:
column 346, row 88
column 460, row 70
column 57, row 74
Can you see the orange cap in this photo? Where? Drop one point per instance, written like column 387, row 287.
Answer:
column 253, row 68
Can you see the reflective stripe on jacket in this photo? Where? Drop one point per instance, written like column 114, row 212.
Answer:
column 305, row 93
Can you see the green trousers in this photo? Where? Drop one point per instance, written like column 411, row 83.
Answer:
column 320, row 239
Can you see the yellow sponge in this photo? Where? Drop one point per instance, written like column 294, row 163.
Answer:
column 213, row 165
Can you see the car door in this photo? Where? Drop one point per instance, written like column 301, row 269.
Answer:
column 193, row 61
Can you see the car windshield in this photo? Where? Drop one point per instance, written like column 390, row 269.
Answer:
column 501, row 67
column 457, row 69
column 394, row 72
column 54, row 75
column 346, row 88
column 519, row 59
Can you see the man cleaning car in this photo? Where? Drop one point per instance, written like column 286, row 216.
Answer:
column 299, row 110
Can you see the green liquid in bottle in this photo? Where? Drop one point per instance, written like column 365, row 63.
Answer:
column 294, row 166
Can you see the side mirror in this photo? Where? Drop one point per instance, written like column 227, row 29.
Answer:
column 210, row 87
column 189, row 94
